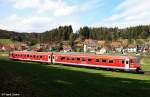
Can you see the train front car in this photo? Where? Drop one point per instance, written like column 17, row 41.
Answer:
column 134, row 64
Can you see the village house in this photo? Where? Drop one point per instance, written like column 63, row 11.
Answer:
column 90, row 45
column 116, row 46
column 132, row 48
column 66, row 46
column 101, row 43
column 6, row 48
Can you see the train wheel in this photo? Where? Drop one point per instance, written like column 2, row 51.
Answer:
column 116, row 70
column 98, row 68
column 138, row 70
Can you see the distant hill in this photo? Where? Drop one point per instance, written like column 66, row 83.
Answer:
column 16, row 36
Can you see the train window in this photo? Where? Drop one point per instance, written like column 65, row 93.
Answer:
column 132, row 61
column 103, row 60
column 68, row 58
column 40, row 56
column 89, row 59
column 62, row 58
column 53, row 57
column 83, row 59
column 122, row 61
column 78, row 58
column 72, row 58
column 30, row 55
column 33, row 56
column 96, row 60
column 16, row 54
column 127, row 62
column 111, row 61
column 27, row 55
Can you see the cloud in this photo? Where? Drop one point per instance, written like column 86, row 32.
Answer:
column 28, row 24
column 48, row 14
column 129, row 13
column 21, row 4
column 35, row 23
column 55, row 7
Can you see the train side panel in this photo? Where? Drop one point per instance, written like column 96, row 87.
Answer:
column 31, row 56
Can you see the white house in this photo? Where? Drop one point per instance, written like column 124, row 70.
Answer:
column 132, row 48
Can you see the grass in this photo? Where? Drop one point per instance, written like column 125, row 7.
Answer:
column 145, row 63
column 6, row 41
column 39, row 80
column 4, row 52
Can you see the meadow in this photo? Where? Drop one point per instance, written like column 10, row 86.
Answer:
column 30, row 79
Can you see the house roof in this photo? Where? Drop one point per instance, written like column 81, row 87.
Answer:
column 87, row 41
column 102, row 42
column 90, row 42
column 131, row 46
column 116, row 44
column 5, row 47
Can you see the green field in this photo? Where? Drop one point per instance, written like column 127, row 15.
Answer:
column 41, row 80
column 4, row 52
column 145, row 64
column 6, row 41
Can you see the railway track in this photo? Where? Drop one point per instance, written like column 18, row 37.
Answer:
column 141, row 72
column 146, row 72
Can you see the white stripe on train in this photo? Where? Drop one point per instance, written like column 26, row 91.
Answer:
column 91, row 65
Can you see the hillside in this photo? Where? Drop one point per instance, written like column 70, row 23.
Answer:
column 6, row 41
column 9, row 36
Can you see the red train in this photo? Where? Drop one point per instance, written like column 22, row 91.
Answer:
column 90, row 60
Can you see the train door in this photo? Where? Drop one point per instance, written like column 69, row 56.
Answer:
column 49, row 58
column 53, row 58
column 126, row 64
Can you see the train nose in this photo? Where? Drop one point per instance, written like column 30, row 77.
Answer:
column 138, row 66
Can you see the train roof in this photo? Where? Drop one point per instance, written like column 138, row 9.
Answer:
column 96, row 55
column 77, row 54
column 33, row 52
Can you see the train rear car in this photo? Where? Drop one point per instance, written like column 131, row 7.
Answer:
column 31, row 56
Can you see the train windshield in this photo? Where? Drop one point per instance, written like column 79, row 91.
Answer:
column 134, row 60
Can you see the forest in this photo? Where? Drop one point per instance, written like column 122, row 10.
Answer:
column 66, row 33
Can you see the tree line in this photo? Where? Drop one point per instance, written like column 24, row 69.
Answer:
column 65, row 33
column 110, row 34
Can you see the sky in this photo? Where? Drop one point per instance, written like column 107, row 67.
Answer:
column 42, row 15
